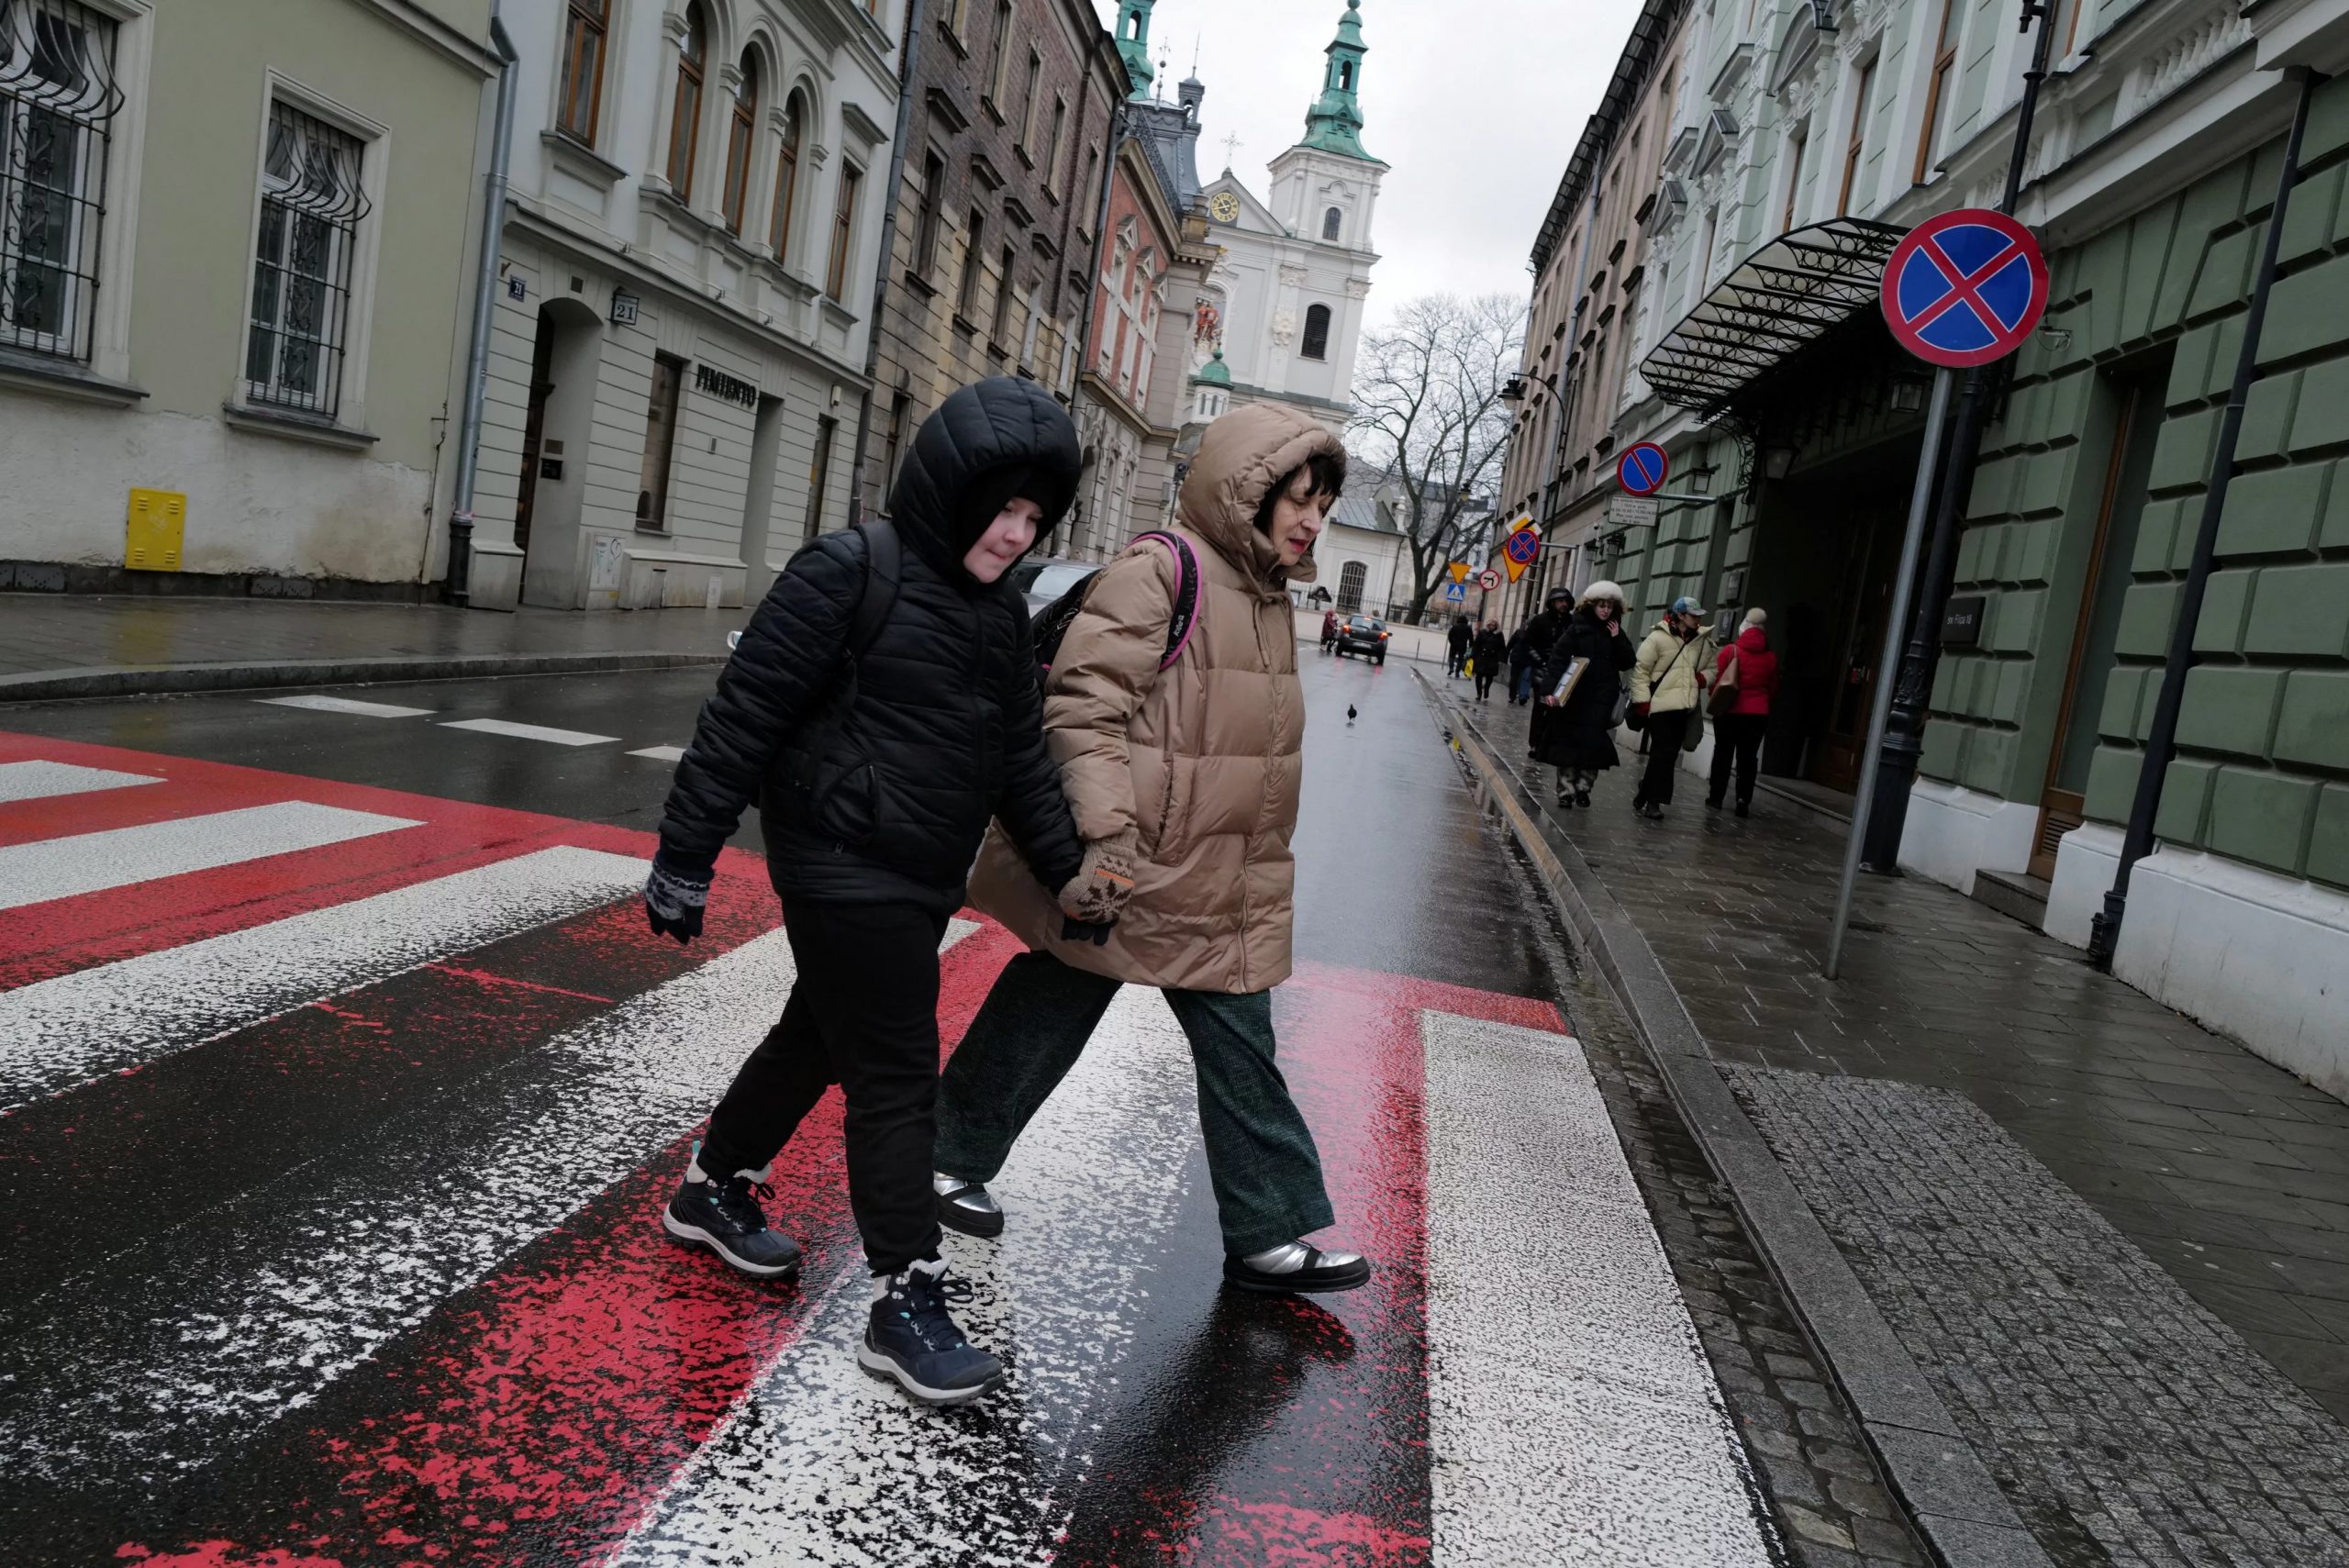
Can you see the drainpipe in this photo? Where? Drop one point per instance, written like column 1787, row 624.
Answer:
column 1100, row 238
column 911, row 54
column 493, row 238
column 2104, row 929
column 1912, row 698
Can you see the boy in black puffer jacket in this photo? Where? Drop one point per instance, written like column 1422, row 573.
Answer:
column 877, row 773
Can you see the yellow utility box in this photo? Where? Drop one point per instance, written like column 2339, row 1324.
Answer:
column 158, row 525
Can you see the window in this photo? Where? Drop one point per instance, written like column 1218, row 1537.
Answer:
column 1331, row 221
column 1000, row 51
column 660, row 443
column 58, row 100
column 956, row 14
column 583, row 67
column 745, row 134
column 1003, row 294
column 966, row 293
column 819, row 473
column 1857, row 142
column 926, row 218
column 843, row 231
column 1028, row 118
column 1316, row 332
column 684, row 116
column 1052, row 148
column 1937, row 92
column 1350, row 578
column 900, row 407
column 1796, row 145
column 786, row 181
column 310, row 207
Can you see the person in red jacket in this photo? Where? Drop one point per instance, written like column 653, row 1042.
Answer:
column 1737, row 727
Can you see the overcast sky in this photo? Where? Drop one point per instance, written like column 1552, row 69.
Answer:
column 1475, row 104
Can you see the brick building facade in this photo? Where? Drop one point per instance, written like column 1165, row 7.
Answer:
column 1006, row 153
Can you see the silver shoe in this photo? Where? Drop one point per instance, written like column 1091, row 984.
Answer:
column 966, row 1207
column 1296, row 1267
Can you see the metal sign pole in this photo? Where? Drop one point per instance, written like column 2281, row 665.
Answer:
column 1895, row 628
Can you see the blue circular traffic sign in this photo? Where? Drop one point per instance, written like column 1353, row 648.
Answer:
column 1964, row 288
column 1642, row 468
column 1524, row 546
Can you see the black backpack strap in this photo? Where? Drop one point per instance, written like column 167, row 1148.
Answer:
column 1187, row 593
column 883, row 559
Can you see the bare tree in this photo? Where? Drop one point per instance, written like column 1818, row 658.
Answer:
column 1428, row 411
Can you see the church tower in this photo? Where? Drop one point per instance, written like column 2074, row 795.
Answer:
column 1134, row 45
column 1334, row 122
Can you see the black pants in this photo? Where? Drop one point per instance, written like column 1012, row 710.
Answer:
column 1738, row 736
column 1485, row 676
column 1030, row 1032
column 862, row 1014
column 1459, row 656
column 1666, row 731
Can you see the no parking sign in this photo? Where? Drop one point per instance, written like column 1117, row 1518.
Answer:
column 1964, row 288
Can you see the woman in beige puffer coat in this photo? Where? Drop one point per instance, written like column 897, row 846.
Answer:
column 1187, row 781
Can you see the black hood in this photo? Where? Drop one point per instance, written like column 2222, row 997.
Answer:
column 988, row 442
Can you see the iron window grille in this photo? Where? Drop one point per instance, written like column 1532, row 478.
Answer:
column 58, row 100
column 311, row 206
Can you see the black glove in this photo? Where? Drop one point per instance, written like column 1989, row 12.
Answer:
column 1096, row 933
column 675, row 895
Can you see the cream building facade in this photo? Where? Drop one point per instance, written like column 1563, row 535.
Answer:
column 684, row 294
column 246, row 302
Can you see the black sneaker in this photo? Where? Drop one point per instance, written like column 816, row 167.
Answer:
column 1651, row 811
column 911, row 1340
column 725, row 1217
column 1582, row 798
column 1293, row 1268
column 967, row 1206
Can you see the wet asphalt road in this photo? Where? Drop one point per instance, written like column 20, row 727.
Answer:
column 1223, row 1400
column 1396, row 872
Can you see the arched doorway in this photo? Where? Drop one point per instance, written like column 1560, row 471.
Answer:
column 556, row 433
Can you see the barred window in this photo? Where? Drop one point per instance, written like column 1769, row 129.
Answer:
column 58, row 100
column 311, row 206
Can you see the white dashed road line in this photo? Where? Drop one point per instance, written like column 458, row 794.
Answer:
column 530, row 731
column 349, row 705
column 58, row 1033
column 41, row 781
column 92, row 862
column 661, row 753
column 1558, row 1343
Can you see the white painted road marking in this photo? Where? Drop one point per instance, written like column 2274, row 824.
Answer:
column 118, row 857
column 528, row 731
column 39, row 781
column 661, row 753
column 1573, row 1414
column 349, row 705
column 817, row 1462
column 57, row 1033
column 328, row 1264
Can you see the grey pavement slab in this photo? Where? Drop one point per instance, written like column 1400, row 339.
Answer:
column 61, row 645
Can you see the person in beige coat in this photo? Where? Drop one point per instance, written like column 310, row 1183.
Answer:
column 1668, row 681
column 1188, row 778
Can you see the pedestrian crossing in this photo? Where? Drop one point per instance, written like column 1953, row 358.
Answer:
column 378, row 1098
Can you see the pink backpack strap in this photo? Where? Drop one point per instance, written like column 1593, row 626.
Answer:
column 1187, row 576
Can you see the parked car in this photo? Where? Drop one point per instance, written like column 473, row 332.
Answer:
column 1041, row 582
column 1365, row 635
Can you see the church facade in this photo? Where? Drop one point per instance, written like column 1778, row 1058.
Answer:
column 1279, row 317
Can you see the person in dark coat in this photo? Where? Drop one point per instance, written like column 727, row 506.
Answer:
column 1532, row 644
column 1752, row 670
column 1576, row 740
column 877, row 773
column 1490, row 653
column 1456, row 639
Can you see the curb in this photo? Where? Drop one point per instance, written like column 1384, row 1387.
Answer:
column 151, row 680
column 1963, row 1517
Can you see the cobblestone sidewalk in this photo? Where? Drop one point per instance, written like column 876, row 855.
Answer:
column 2117, row 1244
column 41, row 632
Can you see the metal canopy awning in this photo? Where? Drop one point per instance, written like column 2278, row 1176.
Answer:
column 1777, row 301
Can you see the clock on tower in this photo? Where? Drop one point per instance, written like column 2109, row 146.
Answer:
column 1224, row 207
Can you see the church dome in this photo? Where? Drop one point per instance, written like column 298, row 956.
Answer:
column 1215, row 372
